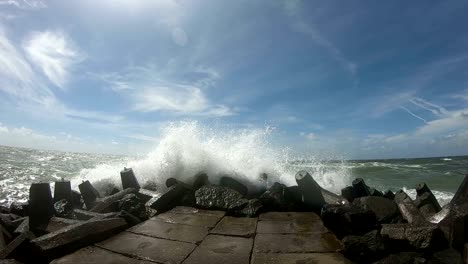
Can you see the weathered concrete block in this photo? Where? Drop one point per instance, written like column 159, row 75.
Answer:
column 200, row 180
column 389, row 195
column 77, row 200
column 401, row 258
column 41, row 206
column 72, row 237
column 62, row 190
column 296, row 243
column 56, row 223
column 400, row 196
column 276, row 198
column 21, row 209
column 375, row 192
column 426, row 197
column 148, row 248
column 106, row 188
column 331, row 198
column 89, row 194
column 455, row 225
column 128, row 179
column 410, row 212
column 84, row 215
column 108, row 204
column 299, row 258
column 95, row 255
column 385, row 210
column 465, row 254
column 19, row 248
column 219, row 197
column 168, row 199
column 348, row 193
column 158, row 228
column 311, row 190
column 63, row 208
column 235, row 226
column 360, row 188
column 461, row 196
column 151, row 185
column 419, row 237
column 234, row 184
column 348, row 219
column 252, row 208
column 221, row 249
column 146, row 195
column 133, row 205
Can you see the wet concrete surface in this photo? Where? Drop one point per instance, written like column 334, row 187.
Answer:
column 188, row 235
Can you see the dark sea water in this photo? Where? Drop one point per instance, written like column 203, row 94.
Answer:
column 20, row 167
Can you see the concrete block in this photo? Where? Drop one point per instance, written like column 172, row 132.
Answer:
column 108, row 204
column 41, row 206
column 95, row 255
column 128, row 179
column 148, row 248
column 235, row 226
column 89, row 194
column 222, row 249
column 311, row 190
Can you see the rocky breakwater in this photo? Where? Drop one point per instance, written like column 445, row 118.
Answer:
column 373, row 226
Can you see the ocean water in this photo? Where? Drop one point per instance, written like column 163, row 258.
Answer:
column 188, row 148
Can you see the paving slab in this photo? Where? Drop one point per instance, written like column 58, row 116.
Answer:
column 290, row 227
column 296, row 243
column 294, row 258
column 190, row 219
column 95, row 255
column 161, row 229
column 149, row 248
column 286, row 216
column 191, row 210
column 235, row 226
column 222, row 249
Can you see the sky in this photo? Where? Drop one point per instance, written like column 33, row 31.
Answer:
column 364, row 79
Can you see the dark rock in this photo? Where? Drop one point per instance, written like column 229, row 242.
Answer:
column 167, row 200
column 389, row 195
column 427, row 204
column 360, row 188
column 146, row 195
column 219, row 197
column 348, row 193
column 331, row 198
column 375, row 192
column 150, row 185
column 77, row 200
column 128, row 179
column 311, row 191
column 410, row 212
column 465, row 254
column 21, row 209
column 105, row 188
column 400, row 196
column 89, row 194
column 41, row 206
column 276, row 198
column 364, row 249
column 461, row 196
column 188, row 199
column 62, row 190
column 407, row 236
column 133, row 205
column 401, row 258
column 63, row 208
column 446, row 256
column 8, row 221
column 384, row 209
column 4, row 209
column 200, row 180
column 23, row 227
column 348, row 219
column 19, row 248
column 252, row 209
column 171, row 182
column 230, row 182
column 73, row 237
column 109, row 203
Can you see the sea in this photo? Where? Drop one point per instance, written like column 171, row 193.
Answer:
column 184, row 150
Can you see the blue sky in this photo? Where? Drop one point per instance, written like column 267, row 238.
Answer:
column 364, row 79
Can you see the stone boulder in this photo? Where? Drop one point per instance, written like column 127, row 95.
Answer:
column 384, row 209
column 133, row 205
column 18, row 208
column 311, row 191
column 168, row 199
column 278, row 198
column 219, row 198
column 348, row 193
column 413, row 237
column 348, row 219
column 364, row 249
column 360, row 188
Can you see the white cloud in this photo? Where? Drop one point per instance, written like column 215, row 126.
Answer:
column 24, row 4
column 151, row 90
column 413, row 114
column 143, row 137
column 54, row 53
column 309, row 136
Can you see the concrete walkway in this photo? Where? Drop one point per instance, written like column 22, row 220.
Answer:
column 188, row 235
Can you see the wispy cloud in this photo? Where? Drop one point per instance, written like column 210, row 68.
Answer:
column 151, row 90
column 293, row 10
column 24, row 4
column 413, row 114
column 433, row 108
column 54, row 53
